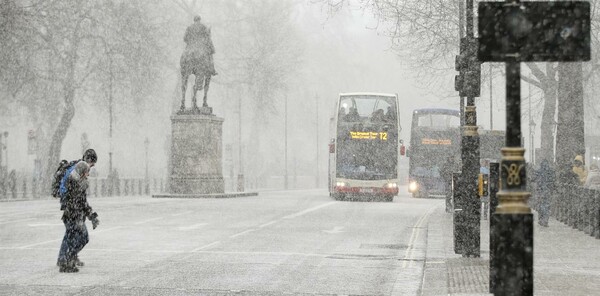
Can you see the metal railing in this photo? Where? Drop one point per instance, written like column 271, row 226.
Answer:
column 573, row 205
column 28, row 188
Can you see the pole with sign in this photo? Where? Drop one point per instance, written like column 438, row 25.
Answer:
column 515, row 32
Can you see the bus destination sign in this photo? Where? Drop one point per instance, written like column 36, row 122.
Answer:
column 428, row 141
column 369, row 136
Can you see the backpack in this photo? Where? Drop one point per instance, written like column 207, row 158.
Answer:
column 60, row 174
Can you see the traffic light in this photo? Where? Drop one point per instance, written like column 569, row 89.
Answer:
column 473, row 75
column 483, row 182
column 460, row 65
column 468, row 81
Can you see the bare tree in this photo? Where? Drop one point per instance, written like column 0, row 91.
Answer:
column 425, row 34
column 74, row 47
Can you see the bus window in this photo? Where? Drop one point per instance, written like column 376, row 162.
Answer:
column 438, row 121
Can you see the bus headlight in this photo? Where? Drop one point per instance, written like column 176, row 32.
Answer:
column 391, row 185
column 340, row 184
column 413, row 186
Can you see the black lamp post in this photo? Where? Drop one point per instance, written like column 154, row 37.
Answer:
column 5, row 148
column 146, row 180
column 515, row 32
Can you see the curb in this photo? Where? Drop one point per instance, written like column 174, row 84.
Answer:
column 211, row 195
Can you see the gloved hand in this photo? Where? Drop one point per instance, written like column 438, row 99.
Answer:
column 94, row 219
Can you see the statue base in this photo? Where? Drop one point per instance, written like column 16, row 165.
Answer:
column 196, row 111
column 196, row 154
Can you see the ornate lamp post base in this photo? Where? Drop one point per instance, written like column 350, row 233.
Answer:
column 513, row 254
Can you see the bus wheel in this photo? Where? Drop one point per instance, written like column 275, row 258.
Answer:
column 339, row 196
column 389, row 198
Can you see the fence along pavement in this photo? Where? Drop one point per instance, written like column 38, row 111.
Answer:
column 27, row 188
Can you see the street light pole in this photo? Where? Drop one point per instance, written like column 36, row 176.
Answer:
column 317, row 138
column 240, row 178
column 6, row 151
column 470, row 152
column 147, row 181
column 1, row 148
column 285, row 156
column 512, row 223
column 491, row 101
column 146, row 144
column 110, row 120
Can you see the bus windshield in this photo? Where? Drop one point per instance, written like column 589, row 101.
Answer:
column 367, row 108
column 437, row 121
column 435, row 135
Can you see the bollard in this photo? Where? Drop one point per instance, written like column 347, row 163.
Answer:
column 579, row 215
column 34, row 189
column 596, row 224
column 24, row 188
column 494, row 187
column 118, row 188
column 103, row 188
column 458, row 216
column 586, row 212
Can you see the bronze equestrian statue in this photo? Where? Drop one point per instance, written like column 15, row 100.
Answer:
column 197, row 59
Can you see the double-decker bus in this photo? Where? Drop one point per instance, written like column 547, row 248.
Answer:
column 365, row 147
column 434, row 138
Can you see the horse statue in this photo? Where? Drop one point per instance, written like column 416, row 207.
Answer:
column 197, row 61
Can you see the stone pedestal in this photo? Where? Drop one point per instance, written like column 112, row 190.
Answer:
column 196, row 154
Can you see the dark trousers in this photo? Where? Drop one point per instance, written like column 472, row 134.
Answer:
column 544, row 209
column 76, row 237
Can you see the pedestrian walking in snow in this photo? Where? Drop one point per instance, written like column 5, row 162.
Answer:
column 75, row 213
column 545, row 182
column 64, row 170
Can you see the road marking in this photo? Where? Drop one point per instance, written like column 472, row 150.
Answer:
column 408, row 255
column 266, row 253
column 242, row 233
column 337, row 229
column 309, row 210
column 182, row 213
column 135, row 251
column 149, row 220
column 16, row 221
column 45, row 224
column 106, row 229
column 204, row 247
column 268, row 223
column 195, row 226
column 250, row 253
column 58, row 240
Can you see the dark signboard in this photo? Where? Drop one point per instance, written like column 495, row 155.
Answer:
column 534, row 31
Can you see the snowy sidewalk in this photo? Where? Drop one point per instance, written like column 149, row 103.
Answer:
column 566, row 261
